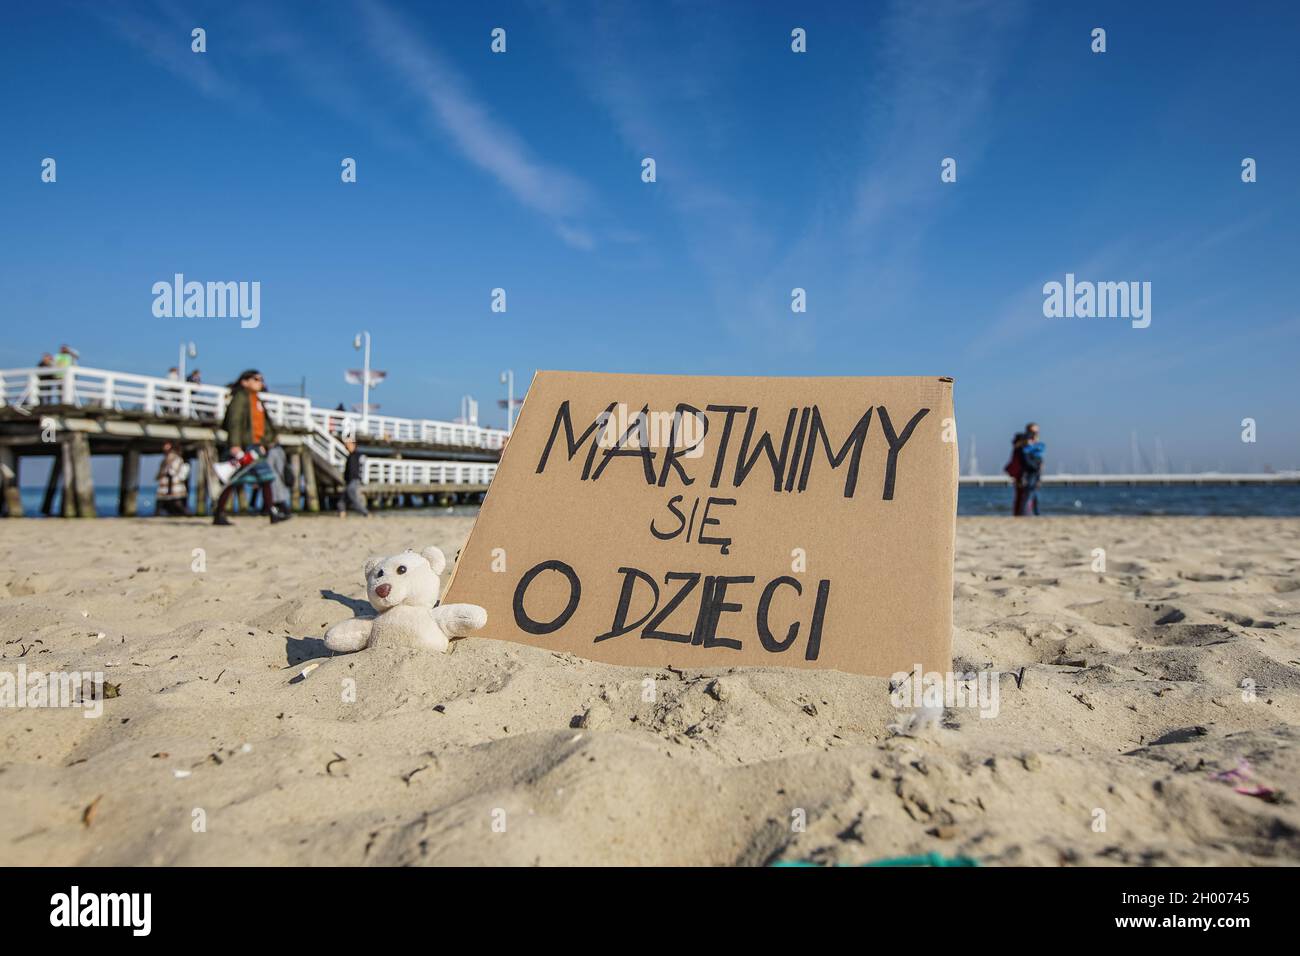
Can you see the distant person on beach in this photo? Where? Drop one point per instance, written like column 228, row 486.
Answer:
column 47, row 361
column 194, row 378
column 352, row 497
column 1025, row 468
column 173, row 482
column 249, row 428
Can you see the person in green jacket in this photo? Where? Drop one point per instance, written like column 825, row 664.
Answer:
column 66, row 358
column 249, row 427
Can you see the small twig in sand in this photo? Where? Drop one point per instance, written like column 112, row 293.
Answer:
column 406, row 777
column 88, row 814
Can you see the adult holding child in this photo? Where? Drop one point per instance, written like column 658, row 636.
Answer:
column 1026, row 469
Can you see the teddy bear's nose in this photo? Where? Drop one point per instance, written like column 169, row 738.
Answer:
column 383, row 590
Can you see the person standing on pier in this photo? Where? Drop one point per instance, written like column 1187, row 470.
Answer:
column 249, row 428
column 66, row 358
column 45, row 381
column 171, row 400
column 352, row 497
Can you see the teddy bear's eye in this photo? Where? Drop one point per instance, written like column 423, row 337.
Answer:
column 379, row 573
column 401, row 569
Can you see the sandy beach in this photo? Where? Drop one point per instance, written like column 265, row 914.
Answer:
column 1120, row 698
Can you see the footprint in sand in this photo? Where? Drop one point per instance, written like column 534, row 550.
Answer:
column 1184, row 635
column 1120, row 613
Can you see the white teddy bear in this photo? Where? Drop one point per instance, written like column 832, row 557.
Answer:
column 404, row 590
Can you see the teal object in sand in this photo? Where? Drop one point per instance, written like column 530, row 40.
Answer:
column 923, row 859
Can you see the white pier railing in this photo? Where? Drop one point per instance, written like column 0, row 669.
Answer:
column 416, row 430
column 81, row 387
column 408, row 471
column 328, row 447
column 90, row 388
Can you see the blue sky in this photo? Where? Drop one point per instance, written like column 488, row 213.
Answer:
column 775, row 170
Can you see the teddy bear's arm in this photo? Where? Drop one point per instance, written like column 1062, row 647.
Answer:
column 459, row 620
column 350, row 635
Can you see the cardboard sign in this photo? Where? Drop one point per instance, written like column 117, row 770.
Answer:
column 711, row 522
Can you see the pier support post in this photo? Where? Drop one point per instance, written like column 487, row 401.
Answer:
column 309, row 473
column 204, row 457
column 13, row 499
column 67, row 490
column 297, row 497
column 128, row 484
column 83, row 479
column 52, row 484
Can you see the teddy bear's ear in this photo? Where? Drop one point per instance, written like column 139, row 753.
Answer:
column 373, row 562
column 437, row 560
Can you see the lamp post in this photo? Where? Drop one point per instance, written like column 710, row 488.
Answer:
column 508, row 380
column 190, row 349
column 364, row 337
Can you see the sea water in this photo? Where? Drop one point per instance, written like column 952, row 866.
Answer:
column 1227, row 500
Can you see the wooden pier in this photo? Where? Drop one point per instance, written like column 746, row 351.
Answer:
column 71, row 415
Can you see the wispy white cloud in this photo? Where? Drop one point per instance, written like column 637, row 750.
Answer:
column 1020, row 315
column 320, row 63
column 929, row 90
column 163, row 34
column 1126, row 258
column 481, row 138
column 931, row 93
column 664, row 82
column 932, row 97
